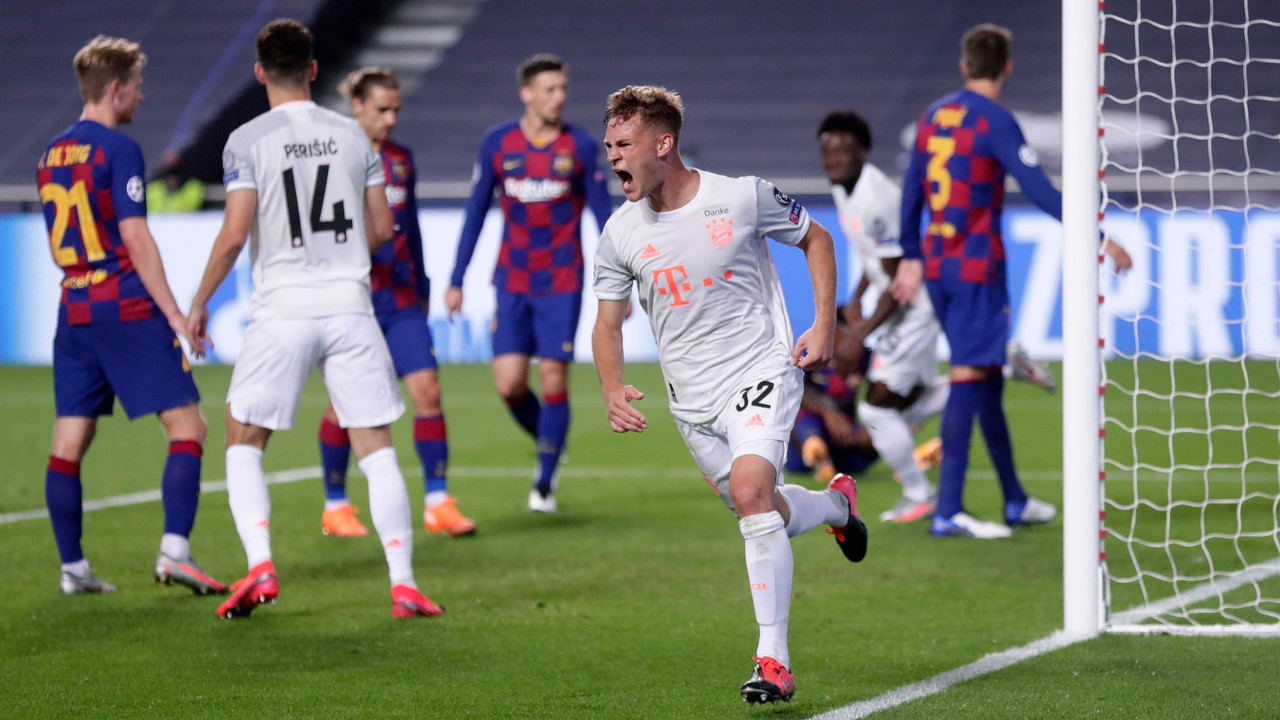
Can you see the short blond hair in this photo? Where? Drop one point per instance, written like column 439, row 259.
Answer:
column 361, row 82
column 658, row 107
column 104, row 59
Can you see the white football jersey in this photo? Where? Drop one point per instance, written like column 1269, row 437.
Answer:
column 707, row 283
column 869, row 218
column 310, row 167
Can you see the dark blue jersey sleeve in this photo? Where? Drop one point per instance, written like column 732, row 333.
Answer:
column 912, row 204
column 413, row 233
column 594, row 186
column 1018, row 159
column 128, row 188
column 477, row 208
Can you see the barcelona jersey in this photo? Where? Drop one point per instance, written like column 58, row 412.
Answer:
column 543, row 190
column 90, row 178
column 397, row 277
column 965, row 144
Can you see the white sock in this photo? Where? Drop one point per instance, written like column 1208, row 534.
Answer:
column 175, row 546
column 250, row 502
column 434, row 498
column 330, row 505
column 769, row 569
column 389, row 510
column 809, row 509
column 893, row 440
column 79, row 568
column 930, row 403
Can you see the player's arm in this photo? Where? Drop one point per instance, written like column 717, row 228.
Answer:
column 814, row 348
column 477, row 208
column 910, row 272
column 381, row 223
column 885, row 307
column 146, row 260
column 236, row 220
column 413, row 237
column 853, row 310
column 606, row 346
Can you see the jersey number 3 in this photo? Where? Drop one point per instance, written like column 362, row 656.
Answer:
column 340, row 223
column 940, row 150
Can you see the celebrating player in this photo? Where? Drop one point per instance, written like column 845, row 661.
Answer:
column 545, row 171
column 694, row 243
column 400, row 296
column 965, row 143
column 117, row 318
column 311, row 307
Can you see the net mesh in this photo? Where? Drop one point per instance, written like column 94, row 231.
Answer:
column 1190, row 114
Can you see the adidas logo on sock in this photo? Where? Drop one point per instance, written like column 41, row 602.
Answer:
column 649, row 253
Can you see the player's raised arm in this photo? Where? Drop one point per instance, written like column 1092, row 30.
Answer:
column 236, row 220
column 814, row 348
column 606, row 346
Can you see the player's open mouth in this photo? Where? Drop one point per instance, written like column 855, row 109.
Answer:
column 627, row 181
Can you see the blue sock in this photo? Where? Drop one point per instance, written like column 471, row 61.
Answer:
column 335, row 454
column 995, row 431
column 63, row 495
column 180, row 487
column 527, row 413
column 429, row 438
column 956, row 432
column 553, row 426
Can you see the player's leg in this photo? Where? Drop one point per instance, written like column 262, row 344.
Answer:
column 64, row 494
column 275, row 359
column 1019, row 508
column 882, row 412
column 413, row 355
column 339, row 516
column 513, row 345
column 964, row 313
column 360, row 377
column 186, row 429
column 555, row 324
column 813, row 449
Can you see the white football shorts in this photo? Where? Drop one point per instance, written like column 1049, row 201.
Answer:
column 279, row 353
column 905, row 352
column 755, row 420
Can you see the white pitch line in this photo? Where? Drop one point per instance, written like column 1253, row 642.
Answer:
column 315, row 473
column 938, row 683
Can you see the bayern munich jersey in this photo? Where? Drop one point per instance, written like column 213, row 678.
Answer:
column 869, row 218
column 707, row 283
column 398, row 279
column 90, row 178
column 965, row 143
column 543, row 190
column 310, row 167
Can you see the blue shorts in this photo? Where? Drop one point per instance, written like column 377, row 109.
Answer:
column 544, row 326
column 141, row 362
column 409, row 339
column 975, row 319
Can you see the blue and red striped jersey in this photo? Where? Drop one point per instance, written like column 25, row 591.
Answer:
column 397, row 277
column 543, row 191
column 90, row 178
column 965, row 144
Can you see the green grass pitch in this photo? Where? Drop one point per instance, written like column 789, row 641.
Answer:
column 630, row 603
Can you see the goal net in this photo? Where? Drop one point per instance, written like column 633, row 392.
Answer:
column 1188, row 108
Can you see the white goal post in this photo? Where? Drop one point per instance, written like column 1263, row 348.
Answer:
column 1171, row 395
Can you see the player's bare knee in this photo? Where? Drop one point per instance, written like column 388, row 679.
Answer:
column 553, row 376
column 365, row 441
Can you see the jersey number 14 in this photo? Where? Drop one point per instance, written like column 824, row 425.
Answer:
column 340, row 223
